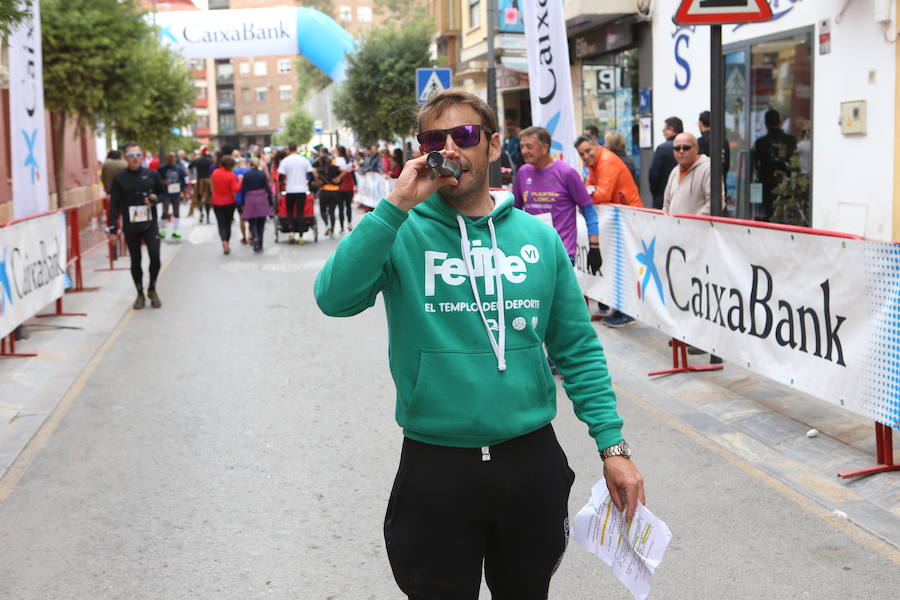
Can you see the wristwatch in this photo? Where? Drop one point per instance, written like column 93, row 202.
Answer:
column 620, row 449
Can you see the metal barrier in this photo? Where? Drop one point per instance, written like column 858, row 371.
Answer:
column 85, row 231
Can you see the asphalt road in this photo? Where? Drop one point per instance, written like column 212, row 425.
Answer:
column 237, row 444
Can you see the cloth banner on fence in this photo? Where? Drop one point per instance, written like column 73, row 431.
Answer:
column 32, row 268
column 26, row 115
column 372, row 187
column 818, row 313
column 548, row 71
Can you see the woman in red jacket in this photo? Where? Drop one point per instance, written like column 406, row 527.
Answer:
column 225, row 184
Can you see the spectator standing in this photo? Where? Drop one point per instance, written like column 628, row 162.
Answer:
column 344, row 161
column 512, row 144
column 704, row 139
column 609, row 180
column 615, row 141
column 113, row 165
column 201, row 168
column 663, row 161
column 772, row 159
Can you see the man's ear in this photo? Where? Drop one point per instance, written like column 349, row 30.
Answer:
column 495, row 148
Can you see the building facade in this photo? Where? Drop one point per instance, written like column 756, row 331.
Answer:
column 829, row 68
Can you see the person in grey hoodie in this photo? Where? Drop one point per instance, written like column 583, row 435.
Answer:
column 688, row 189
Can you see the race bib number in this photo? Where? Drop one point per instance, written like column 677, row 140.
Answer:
column 138, row 214
column 174, row 188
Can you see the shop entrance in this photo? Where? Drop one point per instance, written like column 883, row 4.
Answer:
column 771, row 172
column 611, row 97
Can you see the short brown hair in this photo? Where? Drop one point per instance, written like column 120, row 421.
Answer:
column 614, row 141
column 441, row 101
column 539, row 132
column 227, row 162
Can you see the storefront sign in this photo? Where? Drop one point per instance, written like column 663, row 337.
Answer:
column 32, row 268
column 552, row 106
column 603, row 39
column 258, row 32
column 825, row 36
column 30, row 193
column 510, row 20
column 814, row 312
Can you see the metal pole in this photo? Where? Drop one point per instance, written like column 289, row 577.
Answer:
column 717, row 119
column 494, row 170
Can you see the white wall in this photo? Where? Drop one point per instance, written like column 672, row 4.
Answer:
column 852, row 175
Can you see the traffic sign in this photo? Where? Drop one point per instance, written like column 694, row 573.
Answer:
column 432, row 81
column 719, row 12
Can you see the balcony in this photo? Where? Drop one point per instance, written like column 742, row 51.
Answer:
column 198, row 73
column 201, row 103
column 201, row 132
column 585, row 14
column 225, row 104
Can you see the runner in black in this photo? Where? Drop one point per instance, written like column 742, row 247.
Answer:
column 134, row 195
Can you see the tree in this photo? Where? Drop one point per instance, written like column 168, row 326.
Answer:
column 10, row 16
column 378, row 97
column 298, row 128
column 325, row 6
column 90, row 59
column 164, row 100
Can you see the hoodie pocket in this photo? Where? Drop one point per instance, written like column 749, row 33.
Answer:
column 461, row 394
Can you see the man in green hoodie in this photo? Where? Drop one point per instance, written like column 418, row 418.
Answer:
column 474, row 291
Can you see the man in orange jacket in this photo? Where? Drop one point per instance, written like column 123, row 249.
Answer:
column 607, row 174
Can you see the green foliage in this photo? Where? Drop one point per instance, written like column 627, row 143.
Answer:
column 377, row 101
column 325, row 6
column 163, row 102
column 298, row 127
column 791, row 204
column 10, row 16
column 104, row 65
column 401, row 11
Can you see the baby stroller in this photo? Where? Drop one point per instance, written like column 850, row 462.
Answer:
column 286, row 226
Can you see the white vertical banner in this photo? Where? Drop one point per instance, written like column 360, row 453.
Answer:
column 547, row 46
column 26, row 115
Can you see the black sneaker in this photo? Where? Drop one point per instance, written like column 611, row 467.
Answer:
column 140, row 302
column 155, row 302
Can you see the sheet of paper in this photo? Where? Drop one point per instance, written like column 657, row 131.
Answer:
column 632, row 550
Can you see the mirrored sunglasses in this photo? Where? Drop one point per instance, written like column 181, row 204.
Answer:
column 464, row 136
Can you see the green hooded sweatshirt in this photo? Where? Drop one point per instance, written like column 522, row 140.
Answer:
column 467, row 377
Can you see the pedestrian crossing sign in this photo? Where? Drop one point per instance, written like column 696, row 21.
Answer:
column 431, row 81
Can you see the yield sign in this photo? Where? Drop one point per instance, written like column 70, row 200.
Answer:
column 719, row 12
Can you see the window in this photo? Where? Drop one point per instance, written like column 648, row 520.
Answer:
column 284, row 65
column 197, row 64
column 259, row 68
column 345, row 13
column 244, row 67
column 474, row 13
column 261, row 93
column 247, row 121
column 227, row 123
column 201, row 122
column 284, row 92
column 245, row 94
column 262, row 120
column 364, row 14
column 282, row 118
column 201, row 91
column 224, row 72
column 226, row 98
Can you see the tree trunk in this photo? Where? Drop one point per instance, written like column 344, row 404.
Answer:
column 58, row 137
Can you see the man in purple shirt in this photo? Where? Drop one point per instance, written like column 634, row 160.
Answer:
column 552, row 190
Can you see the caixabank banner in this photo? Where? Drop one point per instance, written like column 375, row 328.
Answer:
column 32, row 268
column 818, row 313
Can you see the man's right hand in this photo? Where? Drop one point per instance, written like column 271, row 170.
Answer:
column 414, row 185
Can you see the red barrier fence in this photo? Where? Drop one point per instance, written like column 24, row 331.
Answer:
column 85, row 231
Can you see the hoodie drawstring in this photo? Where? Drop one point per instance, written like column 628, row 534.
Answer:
column 499, row 347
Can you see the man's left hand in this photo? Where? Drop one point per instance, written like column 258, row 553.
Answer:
column 625, row 484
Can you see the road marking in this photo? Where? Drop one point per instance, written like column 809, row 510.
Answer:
column 860, row 535
column 17, row 469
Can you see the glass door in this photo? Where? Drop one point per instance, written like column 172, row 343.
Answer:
column 768, row 123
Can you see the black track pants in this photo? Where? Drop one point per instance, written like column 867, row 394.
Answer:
column 151, row 239
column 450, row 511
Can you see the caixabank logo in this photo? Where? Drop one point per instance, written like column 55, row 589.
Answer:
column 647, row 272
column 5, row 288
